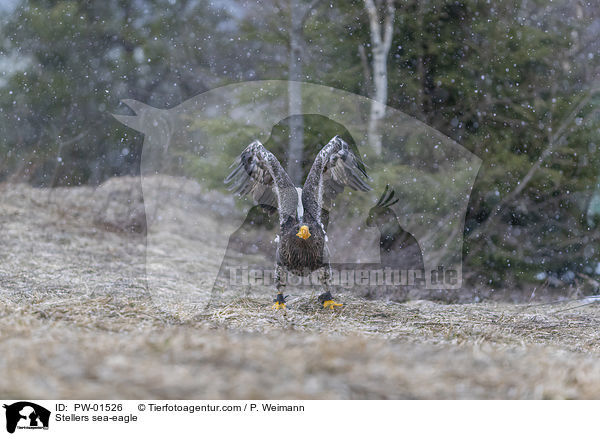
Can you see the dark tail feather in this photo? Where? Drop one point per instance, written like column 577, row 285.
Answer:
column 385, row 191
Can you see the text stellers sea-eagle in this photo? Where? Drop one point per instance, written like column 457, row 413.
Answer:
column 303, row 212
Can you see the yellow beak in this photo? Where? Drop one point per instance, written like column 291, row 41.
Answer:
column 303, row 233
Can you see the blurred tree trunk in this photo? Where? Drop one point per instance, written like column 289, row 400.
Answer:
column 296, row 145
column 299, row 13
column 381, row 30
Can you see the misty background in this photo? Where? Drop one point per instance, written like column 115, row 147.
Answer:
column 514, row 82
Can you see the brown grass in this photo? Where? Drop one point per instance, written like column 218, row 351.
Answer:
column 77, row 321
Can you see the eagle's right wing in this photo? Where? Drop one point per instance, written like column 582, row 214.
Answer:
column 258, row 173
column 334, row 168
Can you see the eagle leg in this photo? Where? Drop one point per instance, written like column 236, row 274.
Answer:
column 280, row 298
column 279, row 301
column 326, row 299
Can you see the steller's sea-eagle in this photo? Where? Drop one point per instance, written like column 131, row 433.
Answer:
column 303, row 212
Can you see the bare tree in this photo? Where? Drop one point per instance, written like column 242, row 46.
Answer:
column 381, row 29
column 299, row 13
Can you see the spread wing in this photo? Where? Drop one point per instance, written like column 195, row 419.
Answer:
column 259, row 174
column 334, row 168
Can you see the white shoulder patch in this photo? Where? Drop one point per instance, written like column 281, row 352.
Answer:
column 324, row 232
column 300, row 208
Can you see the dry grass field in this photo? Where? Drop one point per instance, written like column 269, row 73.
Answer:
column 76, row 321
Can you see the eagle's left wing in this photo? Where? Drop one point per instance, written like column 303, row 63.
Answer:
column 334, row 168
column 258, row 173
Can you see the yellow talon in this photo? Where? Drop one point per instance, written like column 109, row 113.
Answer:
column 330, row 304
column 279, row 301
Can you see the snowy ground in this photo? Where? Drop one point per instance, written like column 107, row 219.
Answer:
column 77, row 321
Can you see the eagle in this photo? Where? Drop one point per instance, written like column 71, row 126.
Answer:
column 303, row 211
